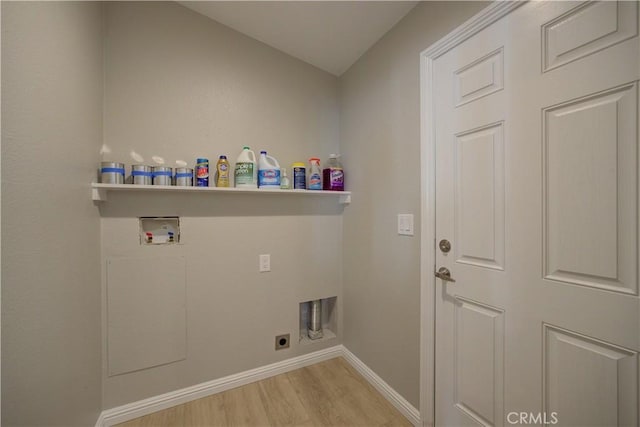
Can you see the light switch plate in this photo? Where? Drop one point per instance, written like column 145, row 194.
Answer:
column 405, row 224
column 264, row 264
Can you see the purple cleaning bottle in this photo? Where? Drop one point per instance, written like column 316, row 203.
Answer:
column 333, row 174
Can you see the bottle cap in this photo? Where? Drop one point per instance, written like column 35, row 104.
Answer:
column 263, row 152
column 223, row 157
column 298, row 165
column 334, row 156
column 246, row 147
column 314, row 159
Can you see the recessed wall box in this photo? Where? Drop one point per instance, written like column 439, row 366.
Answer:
column 321, row 325
column 159, row 230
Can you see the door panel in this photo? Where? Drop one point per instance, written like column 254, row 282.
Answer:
column 590, row 191
column 537, row 191
column 479, row 337
column 480, row 78
column 587, row 29
column 479, row 225
column 589, row 382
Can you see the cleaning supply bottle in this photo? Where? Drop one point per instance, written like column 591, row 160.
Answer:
column 222, row 172
column 246, row 172
column 315, row 177
column 202, row 172
column 268, row 171
column 285, row 184
column 333, row 174
column 299, row 176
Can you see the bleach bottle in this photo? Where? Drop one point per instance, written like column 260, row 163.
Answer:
column 246, row 172
column 268, row 171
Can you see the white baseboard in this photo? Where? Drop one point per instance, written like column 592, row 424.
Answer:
column 401, row 404
column 100, row 421
column 140, row 408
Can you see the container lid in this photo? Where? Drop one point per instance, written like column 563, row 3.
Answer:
column 263, row 152
column 334, row 156
column 201, row 160
column 246, row 147
column 223, row 157
column 298, row 165
column 314, row 159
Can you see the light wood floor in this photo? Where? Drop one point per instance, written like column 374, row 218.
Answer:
column 330, row 393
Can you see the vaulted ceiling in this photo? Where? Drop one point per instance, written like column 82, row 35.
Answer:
column 330, row 35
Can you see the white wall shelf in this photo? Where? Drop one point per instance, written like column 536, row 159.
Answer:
column 100, row 191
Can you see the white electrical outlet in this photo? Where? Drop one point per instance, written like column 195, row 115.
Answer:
column 405, row 224
column 265, row 263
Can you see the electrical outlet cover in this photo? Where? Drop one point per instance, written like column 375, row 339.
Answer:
column 282, row 341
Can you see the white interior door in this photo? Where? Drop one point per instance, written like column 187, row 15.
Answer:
column 536, row 126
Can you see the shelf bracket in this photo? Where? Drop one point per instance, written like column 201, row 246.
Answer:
column 345, row 199
column 99, row 194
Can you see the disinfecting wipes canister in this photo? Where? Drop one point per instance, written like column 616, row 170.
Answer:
column 112, row 173
column 184, row 177
column 141, row 174
column 162, row 175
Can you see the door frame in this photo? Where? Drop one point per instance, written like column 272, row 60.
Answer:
column 492, row 13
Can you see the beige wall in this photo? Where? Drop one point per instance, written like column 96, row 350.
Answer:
column 380, row 141
column 51, row 135
column 181, row 86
